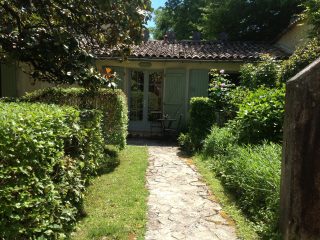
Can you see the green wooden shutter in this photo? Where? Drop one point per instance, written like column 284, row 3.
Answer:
column 8, row 80
column 199, row 83
column 175, row 93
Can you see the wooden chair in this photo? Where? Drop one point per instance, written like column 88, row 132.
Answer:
column 173, row 131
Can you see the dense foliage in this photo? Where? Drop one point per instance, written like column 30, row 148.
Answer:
column 221, row 19
column 58, row 39
column 225, row 96
column 185, row 143
column 220, row 89
column 202, row 116
column 48, row 154
column 300, row 59
column 312, row 13
column 112, row 103
column 258, row 20
column 183, row 17
column 265, row 73
column 260, row 116
column 251, row 173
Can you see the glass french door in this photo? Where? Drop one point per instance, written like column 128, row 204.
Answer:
column 145, row 97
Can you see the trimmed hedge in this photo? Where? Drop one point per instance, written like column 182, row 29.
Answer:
column 202, row 116
column 47, row 155
column 112, row 103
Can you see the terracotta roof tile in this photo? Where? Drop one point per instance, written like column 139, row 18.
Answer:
column 204, row 50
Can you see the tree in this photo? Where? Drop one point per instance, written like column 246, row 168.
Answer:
column 249, row 20
column 183, row 17
column 312, row 13
column 237, row 19
column 58, row 38
column 163, row 23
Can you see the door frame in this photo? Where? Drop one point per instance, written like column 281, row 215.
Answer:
column 144, row 124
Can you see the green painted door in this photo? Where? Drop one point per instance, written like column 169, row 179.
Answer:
column 175, row 94
column 8, row 80
column 199, row 83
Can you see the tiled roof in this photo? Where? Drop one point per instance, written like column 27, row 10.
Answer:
column 204, row 50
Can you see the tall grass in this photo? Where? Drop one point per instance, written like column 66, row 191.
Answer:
column 251, row 173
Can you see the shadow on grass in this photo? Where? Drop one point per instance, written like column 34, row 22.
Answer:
column 112, row 160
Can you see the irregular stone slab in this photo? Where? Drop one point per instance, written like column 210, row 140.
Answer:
column 179, row 203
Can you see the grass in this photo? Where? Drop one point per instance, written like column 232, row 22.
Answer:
column 115, row 203
column 245, row 229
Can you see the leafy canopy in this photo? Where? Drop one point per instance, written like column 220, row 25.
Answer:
column 233, row 19
column 58, row 38
column 249, row 20
column 312, row 13
column 183, row 17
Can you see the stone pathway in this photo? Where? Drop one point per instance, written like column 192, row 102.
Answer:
column 179, row 202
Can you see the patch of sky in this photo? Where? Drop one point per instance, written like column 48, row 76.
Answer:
column 155, row 4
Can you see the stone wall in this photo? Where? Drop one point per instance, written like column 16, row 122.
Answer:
column 300, row 183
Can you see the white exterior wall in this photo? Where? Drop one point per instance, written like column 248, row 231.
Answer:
column 295, row 37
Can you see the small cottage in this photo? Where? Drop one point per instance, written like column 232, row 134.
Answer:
column 162, row 76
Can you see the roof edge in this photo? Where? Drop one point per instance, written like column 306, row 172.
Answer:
column 180, row 60
column 305, row 71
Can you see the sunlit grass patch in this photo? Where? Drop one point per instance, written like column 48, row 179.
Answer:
column 115, row 203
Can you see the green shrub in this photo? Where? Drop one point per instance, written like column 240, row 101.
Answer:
column 112, row 103
column 225, row 97
column 312, row 14
column 237, row 95
column 47, row 154
column 265, row 73
column 300, row 59
column 251, row 173
column 92, row 144
column 219, row 142
column 260, row 116
column 202, row 116
column 219, row 88
column 184, row 141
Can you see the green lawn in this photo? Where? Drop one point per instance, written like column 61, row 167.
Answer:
column 245, row 229
column 115, row 202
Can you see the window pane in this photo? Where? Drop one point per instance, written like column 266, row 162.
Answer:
column 136, row 97
column 155, row 95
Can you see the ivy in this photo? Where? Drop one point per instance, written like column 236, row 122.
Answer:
column 112, row 104
column 300, row 59
column 48, row 155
